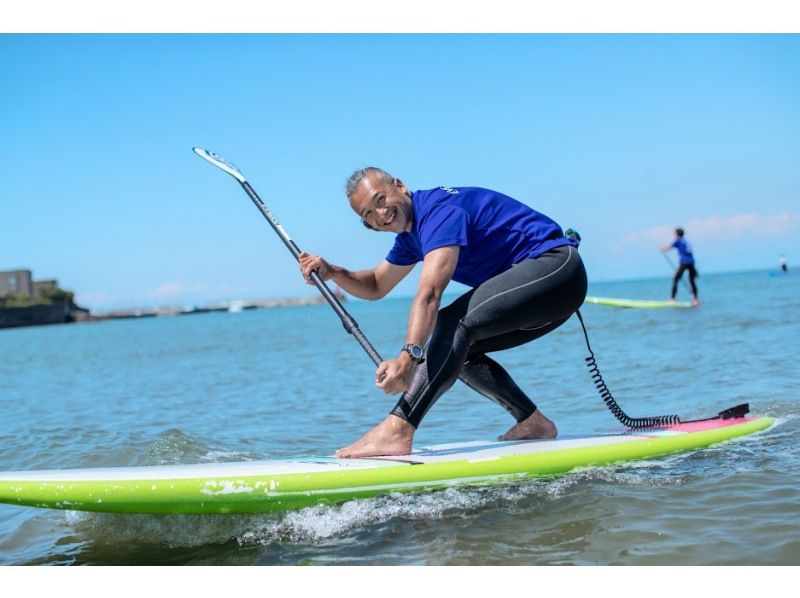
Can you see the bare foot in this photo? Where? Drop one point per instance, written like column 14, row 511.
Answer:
column 695, row 303
column 536, row 426
column 393, row 436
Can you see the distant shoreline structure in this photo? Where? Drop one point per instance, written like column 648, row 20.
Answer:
column 39, row 315
column 28, row 302
column 220, row 306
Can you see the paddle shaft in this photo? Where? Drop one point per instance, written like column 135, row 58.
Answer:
column 672, row 265
column 348, row 322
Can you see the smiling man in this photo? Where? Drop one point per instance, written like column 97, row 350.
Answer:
column 527, row 279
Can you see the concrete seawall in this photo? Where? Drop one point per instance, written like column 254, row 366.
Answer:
column 35, row 315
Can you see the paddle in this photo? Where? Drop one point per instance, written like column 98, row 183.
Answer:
column 348, row 322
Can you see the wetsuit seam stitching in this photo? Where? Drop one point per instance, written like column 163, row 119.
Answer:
column 538, row 327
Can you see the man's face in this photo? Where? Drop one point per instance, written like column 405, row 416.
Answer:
column 383, row 205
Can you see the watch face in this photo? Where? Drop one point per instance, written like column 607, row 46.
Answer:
column 416, row 351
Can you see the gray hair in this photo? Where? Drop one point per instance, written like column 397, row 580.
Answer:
column 358, row 176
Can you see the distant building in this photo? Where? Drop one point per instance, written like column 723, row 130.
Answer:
column 16, row 282
column 36, row 309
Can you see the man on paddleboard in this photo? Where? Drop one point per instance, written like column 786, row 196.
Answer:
column 686, row 263
column 527, row 279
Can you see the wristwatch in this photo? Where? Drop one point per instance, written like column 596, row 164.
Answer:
column 415, row 351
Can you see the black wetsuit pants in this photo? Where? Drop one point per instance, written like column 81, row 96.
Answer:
column 524, row 303
column 692, row 276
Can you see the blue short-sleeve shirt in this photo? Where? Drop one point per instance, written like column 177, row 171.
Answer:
column 494, row 231
column 684, row 250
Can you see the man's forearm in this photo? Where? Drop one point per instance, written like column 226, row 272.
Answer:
column 361, row 284
column 436, row 274
column 422, row 318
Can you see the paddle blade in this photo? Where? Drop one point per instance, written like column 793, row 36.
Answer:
column 220, row 162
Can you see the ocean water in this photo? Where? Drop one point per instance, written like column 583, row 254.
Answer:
column 290, row 382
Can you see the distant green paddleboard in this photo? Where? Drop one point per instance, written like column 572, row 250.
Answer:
column 274, row 486
column 635, row 303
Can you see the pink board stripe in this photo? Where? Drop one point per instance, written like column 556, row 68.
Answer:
column 708, row 425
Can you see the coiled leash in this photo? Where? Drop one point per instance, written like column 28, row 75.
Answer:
column 608, row 398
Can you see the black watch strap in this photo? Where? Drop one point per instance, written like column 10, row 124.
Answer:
column 415, row 352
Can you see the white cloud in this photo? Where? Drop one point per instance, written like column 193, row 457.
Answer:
column 718, row 228
column 172, row 291
column 178, row 293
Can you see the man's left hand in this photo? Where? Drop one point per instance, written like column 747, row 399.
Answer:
column 394, row 375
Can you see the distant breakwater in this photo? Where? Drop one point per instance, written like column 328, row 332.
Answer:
column 61, row 313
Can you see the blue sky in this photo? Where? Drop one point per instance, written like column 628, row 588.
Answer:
column 621, row 137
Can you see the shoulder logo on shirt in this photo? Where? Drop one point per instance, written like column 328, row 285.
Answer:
column 449, row 190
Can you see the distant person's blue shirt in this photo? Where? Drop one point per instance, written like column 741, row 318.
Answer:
column 684, row 250
column 493, row 231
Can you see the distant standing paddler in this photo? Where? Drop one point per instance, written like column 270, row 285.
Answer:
column 784, row 265
column 686, row 264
